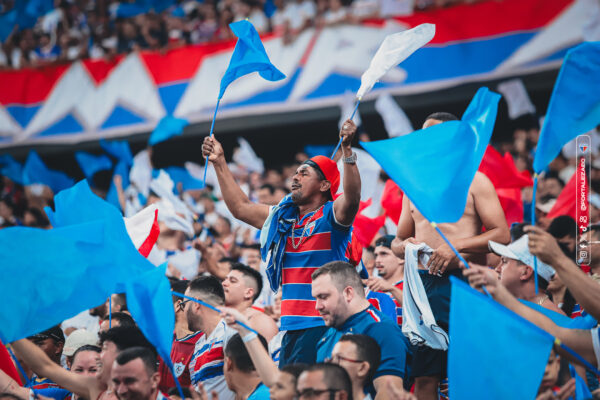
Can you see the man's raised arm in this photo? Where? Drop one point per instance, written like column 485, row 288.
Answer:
column 237, row 202
column 406, row 229
column 346, row 206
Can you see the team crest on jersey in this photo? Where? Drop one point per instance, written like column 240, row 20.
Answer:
column 178, row 368
column 311, row 227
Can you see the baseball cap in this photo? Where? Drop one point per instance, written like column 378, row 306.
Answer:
column 329, row 170
column 385, row 241
column 519, row 250
column 78, row 338
column 54, row 333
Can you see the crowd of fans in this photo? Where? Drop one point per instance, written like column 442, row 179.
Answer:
column 79, row 29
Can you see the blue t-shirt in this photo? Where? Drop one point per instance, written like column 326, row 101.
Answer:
column 395, row 348
column 260, row 393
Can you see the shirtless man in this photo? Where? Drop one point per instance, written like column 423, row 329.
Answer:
column 242, row 286
column 482, row 210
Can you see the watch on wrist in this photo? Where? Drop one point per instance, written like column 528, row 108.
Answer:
column 351, row 159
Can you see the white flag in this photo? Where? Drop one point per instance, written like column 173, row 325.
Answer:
column 246, row 157
column 395, row 120
column 517, row 98
column 369, row 171
column 394, row 49
column 347, row 106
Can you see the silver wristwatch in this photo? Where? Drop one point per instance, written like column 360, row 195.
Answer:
column 351, row 159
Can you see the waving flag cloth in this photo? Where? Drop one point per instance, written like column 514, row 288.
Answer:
column 119, row 150
column 248, row 56
column 10, row 168
column 512, row 337
column 167, row 127
column 143, row 229
column 573, row 110
column 434, row 167
column 90, row 164
column 35, row 171
column 122, row 169
column 394, row 49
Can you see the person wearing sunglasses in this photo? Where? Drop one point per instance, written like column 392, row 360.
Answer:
column 324, row 381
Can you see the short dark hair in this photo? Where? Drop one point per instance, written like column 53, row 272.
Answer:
column 210, row 288
column 86, row 347
column 178, row 286
column 124, row 318
column 54, row 333
column 385, row 241
column 269, row 187
column 125, row 337
column 342, row 274
column 235, row 349
column 145, row 354
column 367, row 350
column 562, row 226
column 174, row 391
column 442, row 116
column 252, row 274
column 294, row 369
column 335, row 377
column 253, row 246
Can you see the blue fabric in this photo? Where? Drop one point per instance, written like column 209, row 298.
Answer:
column 25, row 14
column 119, row 150
column 260, row 393
column 86, row 256
column 112, row 196
column 90, row 164
column 248, row 56
column 582, row 392
column 182, row 175
column 480, row 350
column 584, row 322
column 574, row 107
column 150, row 302
column 167, row 127
column 435, row 166
column 35, row 171
column 54, row 393
column 313, row 150
column 281, row 224
column 10, row 168
column 386, row 304
column 7, row 24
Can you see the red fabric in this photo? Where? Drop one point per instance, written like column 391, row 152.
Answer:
column 366, row 228
column 354, row 250
column 512, row 204
column 7, row 365
column 502, row 170
column 391, row 200
column 146, row 247
column 330, row 170
column 566, row 202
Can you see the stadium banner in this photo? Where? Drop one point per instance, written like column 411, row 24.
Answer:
column 92, row 99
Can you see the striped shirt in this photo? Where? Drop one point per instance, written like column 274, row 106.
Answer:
column 324, row 240
column 181, row 355
column 207, row 362
column 399, row 285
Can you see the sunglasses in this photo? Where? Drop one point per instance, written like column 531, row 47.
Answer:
column 182, row 304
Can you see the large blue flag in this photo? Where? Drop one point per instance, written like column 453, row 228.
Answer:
column 119, row 150
column 491, row 346
column 150, row 302
column 248, row 56
column 435, row 166
column 74, row 266
column 35, row 171
column 574, row 107
column 583, row 322
column 10, row 168
column 166, row 128
column 90, row 164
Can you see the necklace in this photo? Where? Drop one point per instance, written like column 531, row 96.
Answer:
column 303, row 236
column 542, row 300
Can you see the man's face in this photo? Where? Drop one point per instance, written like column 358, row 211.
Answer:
column 132, row 382
column 107, row 357
column 551, row 372
column 235, row 288
column 86, row 363
column 330, row 302
column 305, row 184
column 386, row 262
column 344, row 354
column 252, row 258
column 311, row 386
column 284, row 388
column 510, row 273
column 52, row 349
column 191, row 310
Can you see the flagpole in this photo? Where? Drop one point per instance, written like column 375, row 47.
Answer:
column 109, row 311
column 172, row 370
column 460, row 257
column 340, row 141
column 212, row 126
column 205, row 304
column 535, row 183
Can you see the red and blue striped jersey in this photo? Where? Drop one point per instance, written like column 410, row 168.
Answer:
column 181, row 355
column 372, row 298
column 207, row 362
column 399, row 285
column 325, row 240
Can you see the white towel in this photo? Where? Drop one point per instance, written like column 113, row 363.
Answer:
column 418, row 323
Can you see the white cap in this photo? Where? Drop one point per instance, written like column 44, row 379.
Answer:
column 519, row 250
column 547, row 206
column 78, row 338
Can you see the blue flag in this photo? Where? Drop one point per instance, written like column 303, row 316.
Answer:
column 167, row 127
column 150, row 302
column 435, row 166
column 119, row 150
column 76, row 265
column 248, row 56
column 122, row 169
column 35, row 171
column 584, row 322
column 10, row 168
column 312, row 150
column 90, row 164
column 582, row 392
column 182, row 175
column 574, row 107
column 491, row 346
